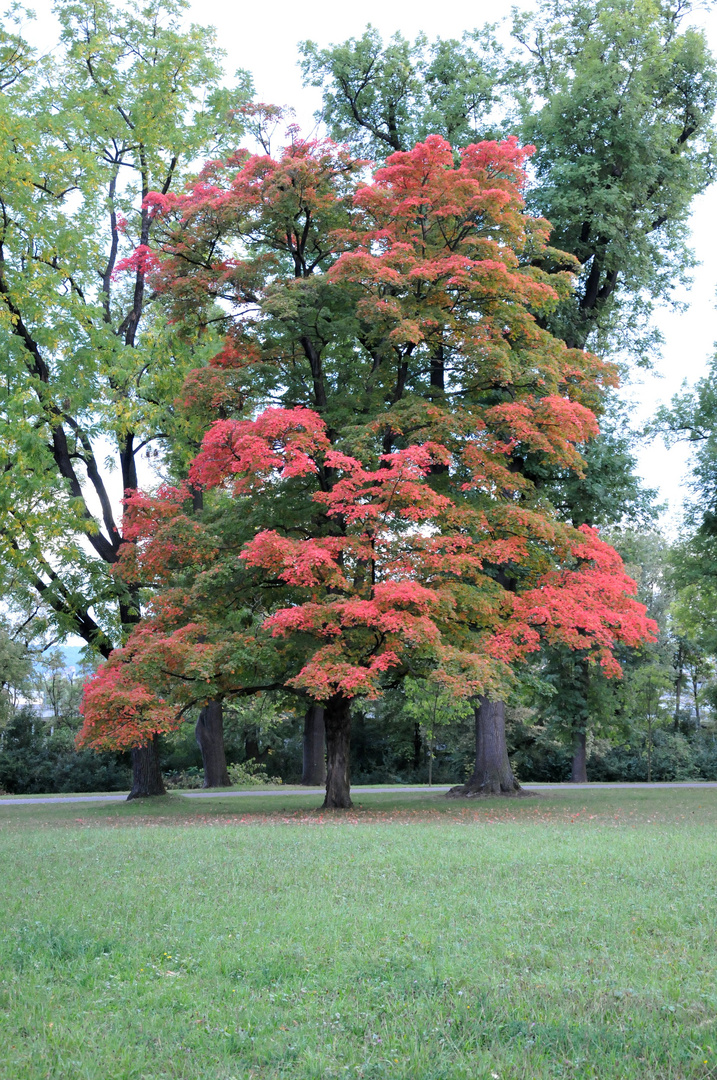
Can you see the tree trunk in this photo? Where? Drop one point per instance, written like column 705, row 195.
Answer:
column 314, row 763
column 209, row 734
column 146, row 773
column 679, row 664
column 492, row 774
column 695, row 693
column 417, row 746
column 337, row 719
column 579, row 773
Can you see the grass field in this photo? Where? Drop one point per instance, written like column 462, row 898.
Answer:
column 572, row 935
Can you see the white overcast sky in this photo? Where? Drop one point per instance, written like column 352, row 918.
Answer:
column 262, row 38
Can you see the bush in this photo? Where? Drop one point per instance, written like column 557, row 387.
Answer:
column 538, row 757
column 706, row 756
column 183, row 779
column 250, row 774
column 33, row 762
column 674, row 757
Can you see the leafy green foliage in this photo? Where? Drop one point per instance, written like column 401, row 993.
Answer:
column 39, row 758
column 382, row 98
column 90, row 368
column 433, row 708
column 16, row 671
column 619, row 100
column 251, row 774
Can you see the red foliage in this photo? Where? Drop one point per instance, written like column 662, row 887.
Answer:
column 142, row 260
column 249, row 450
column 406, row 577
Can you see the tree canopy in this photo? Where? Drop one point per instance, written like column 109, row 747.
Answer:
column 399, row 532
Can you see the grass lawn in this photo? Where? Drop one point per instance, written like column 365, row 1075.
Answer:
column 572, row 935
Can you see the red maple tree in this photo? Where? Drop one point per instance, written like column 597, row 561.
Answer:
column 403, row 585
column 380, row 520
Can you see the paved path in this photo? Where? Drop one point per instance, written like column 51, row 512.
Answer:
column 437, row 789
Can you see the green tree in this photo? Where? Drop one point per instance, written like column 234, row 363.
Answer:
column 692, row 418
column 647, row 699
column 619, row 99
column 385, row 97
column 433, row 707
column 16, row 671
column 90, row 369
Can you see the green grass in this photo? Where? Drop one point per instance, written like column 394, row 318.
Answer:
column 566, row 936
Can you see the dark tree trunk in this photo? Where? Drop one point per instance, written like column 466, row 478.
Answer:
column 579, row 773
column 337, row 719
column 146, row 773
column 417, row 746
column 314, row 763
column 251, row 749
column 679, row 664
column 209, row 734
column 492, row 774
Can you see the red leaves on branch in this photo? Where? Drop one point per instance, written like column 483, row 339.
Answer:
column 142, row 260
column 248, row 450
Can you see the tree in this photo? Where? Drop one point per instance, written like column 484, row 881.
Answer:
column 618, row 98
column 313, row 771
column 646, row 702
column 400, row 587
column 432, row 707
column 90, row 367
column 692, row 417
column 16, row 671
column 227, row 210
column 382, row 98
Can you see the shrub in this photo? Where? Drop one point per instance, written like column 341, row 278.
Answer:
column 33, row 761
column 183, row 779
column 250, row 774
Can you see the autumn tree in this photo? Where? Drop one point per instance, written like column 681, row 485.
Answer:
column 90, row 368
column 397, row 323
column 302, row 225
column 398, row 586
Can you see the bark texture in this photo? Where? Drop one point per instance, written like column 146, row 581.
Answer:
column 579, row 774
column 337, row 719
column 146, row 773
column 314, row 763
column 209, row 734
column 492, row 774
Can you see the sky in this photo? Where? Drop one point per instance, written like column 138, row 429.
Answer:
column 262, row 38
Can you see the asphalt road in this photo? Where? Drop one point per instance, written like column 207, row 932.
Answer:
column 358, row 790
